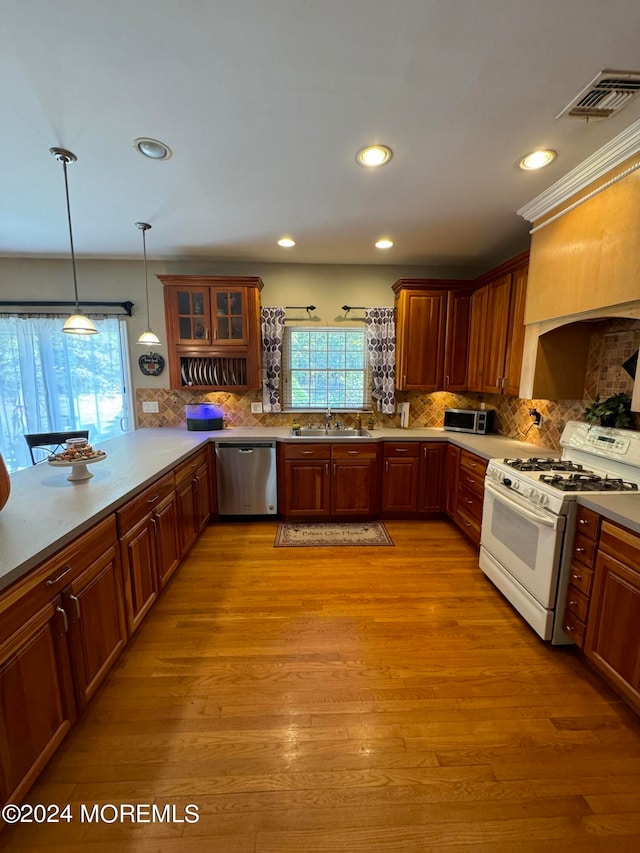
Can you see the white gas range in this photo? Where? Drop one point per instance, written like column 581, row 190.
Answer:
column 529, row 515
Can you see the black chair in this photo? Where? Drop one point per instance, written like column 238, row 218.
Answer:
column 50, row 442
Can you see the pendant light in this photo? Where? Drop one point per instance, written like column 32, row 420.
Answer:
column 147, row 337
column 78, row 323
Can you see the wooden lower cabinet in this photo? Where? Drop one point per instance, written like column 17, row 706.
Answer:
column 583, row 559
column 307, row 485
column 466, row 503
column 193, row 498
column 36, row 698
column 431, row 480
column 165, row 531
column 451, row 474
column 97, row 629
column 400, row 476
column 325, row 480
column 612, row 641
column 138, row 562
column 354, row 480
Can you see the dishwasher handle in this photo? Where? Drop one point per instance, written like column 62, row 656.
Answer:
column 244, row 446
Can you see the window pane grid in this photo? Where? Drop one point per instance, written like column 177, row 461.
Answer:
column 324, row 367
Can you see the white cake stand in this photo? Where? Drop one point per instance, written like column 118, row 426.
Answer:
column 79, row 470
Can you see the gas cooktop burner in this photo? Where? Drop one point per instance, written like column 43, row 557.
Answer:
column 535, row 464
column 587, row 482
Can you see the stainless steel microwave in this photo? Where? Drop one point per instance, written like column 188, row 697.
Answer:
column 469, row 420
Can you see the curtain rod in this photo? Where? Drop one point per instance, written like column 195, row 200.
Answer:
column 348, row 308
column 300, row 307
column 22, row 303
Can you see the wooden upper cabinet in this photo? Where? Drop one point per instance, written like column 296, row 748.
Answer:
column 456, row 355
column 515, row 333
column 495, row 341
column 497, row 329
column 213, row 331
column 476, row 338
column 432, row 334
column 420, row 335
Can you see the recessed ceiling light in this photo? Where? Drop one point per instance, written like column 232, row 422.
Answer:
column 374, row 155
column 286, row 242
column 537, row 159
column 152, row 148
column 384, row 243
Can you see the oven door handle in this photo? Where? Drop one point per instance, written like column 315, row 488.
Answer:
column 546, row 520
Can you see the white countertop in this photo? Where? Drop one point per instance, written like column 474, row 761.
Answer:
column 45, row 511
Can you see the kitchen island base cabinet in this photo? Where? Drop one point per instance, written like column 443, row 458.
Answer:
column 36, row 698
column 193, row 496
column 97, row 628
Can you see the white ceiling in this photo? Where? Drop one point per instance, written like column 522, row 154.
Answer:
column 265, row 103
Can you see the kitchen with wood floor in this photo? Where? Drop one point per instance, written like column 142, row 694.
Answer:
column 320, row 428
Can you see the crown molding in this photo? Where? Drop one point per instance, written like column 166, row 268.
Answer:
column 615, row 152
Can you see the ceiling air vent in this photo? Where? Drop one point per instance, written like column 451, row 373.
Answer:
column 607, row 94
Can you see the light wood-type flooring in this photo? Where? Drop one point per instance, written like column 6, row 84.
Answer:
column 368, row 700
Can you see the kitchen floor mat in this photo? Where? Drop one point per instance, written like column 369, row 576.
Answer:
column 295, row 535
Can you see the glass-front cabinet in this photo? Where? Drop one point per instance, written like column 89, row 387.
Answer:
column 213, row 331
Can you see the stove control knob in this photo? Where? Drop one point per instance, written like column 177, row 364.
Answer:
column 506, row 481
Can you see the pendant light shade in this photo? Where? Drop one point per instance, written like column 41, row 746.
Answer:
column 78, row 323
column 148, row 337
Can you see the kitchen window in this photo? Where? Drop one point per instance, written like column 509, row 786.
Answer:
column 53, row 382
column 324, row 368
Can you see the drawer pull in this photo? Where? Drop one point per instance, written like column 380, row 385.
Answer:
column 569, row 629
column 306, row 452
column 353, row 452
column 153, row 499
column 54, row 581
column 583, row 521
column 577, row 577
column 401, row 449
column 572, row 602
column 471, row 480
column 579, row 550
column 468, row 500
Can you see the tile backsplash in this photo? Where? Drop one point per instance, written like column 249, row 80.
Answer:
column 611, row 344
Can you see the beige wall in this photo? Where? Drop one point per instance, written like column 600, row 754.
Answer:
column 325, row 286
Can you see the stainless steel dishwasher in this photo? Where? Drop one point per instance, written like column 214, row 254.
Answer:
column 246, row 476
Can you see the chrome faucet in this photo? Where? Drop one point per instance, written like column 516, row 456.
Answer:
column 327, row 418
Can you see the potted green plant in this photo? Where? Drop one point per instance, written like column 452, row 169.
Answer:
column 613, row 412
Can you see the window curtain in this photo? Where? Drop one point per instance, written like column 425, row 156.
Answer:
column 272, row 320
column 51, row 382
column 381, row 348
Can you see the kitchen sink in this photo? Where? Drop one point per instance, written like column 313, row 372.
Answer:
column 316, row 432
